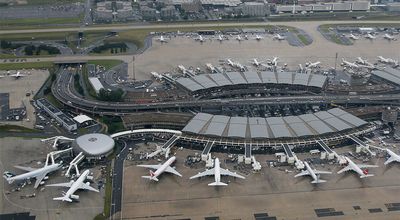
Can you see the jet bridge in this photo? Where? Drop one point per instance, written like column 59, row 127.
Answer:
column 206, row 151
column 327, row 149
column 289, row 153
column 247, row 154
column 362, row 146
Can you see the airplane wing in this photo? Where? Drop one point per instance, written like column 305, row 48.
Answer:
column 366, row 166
column 229, row 173
column 29, row 169
column 303, row 173
column 69, row 184
column 391, row 159
column 347, row 168
column 154, row 167
column 209, row 172
column 322, row 172
column 39, row 179
column 173, row 171
column 87, row 187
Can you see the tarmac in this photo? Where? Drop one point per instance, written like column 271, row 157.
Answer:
column 17, row 89
column 272, row 191
column 23, row 152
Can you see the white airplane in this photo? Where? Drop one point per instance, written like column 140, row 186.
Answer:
column 313, row 65
column 349, row 64
column 358, row 168
column 39, row 174
column 388, row 37
column 230, row 62
column 200, row 39
column 274, row 61
column 364, row 63
column 211, row 67
column 239, row 38
column 156, row 75
column 370, row 36
column 73, row 187
column 221, row 38
column 162, row 39
column 353, row 37
column 217, row 171
column 393, row 157
column 388, row 60
column 278, row 37
column 17, row 75
column 255, row 62
column 258, row 37
column 313, row 173
column 161, row 168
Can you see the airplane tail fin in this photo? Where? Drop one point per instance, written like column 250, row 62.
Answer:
column 367, row 175
column 217, row 184
column 150, row 178
column 64, row 199
column 318, row 181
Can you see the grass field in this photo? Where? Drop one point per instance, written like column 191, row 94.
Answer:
column 303, row 39
column 108, row 64
column 38, row 21
column 14, row 66
column 16, row 128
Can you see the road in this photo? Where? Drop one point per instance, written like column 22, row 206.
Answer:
column 298, row 24
column 63, row 90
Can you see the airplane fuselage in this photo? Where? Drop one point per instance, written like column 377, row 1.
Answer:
column 311, row 171
column 35, row 173
column 163, row 167
column 76, row 184
column 217, row 176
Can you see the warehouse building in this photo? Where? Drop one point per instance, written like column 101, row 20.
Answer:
column 387, row 75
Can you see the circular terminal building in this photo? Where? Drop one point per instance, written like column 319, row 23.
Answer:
column 94, row 146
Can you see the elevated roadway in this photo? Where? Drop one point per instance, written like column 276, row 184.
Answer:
column 63, row 90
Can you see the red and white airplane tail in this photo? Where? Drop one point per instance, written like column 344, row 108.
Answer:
column 151, row 177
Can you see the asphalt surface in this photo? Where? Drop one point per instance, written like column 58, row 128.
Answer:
column 188, row 25
column 118, row 174
column 63, row 90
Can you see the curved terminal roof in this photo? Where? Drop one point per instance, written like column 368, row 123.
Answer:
column 320, row 123
column 208, row 81
column 94, row 144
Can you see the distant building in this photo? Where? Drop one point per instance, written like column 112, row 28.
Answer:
column 113, row 10
column 168, row 12
column 255, row 9
column 325, row 7
column 395, row 6
column 148, row 13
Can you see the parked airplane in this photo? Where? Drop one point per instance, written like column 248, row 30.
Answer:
column 239, row 38
column 221, row 38
column 211, row 67
column 358, row 168
column 370, row 36
column 161, row 168
column 313, row 65
column 273, row 62
column 364, row 63
column 162, row 39
column 388, row 37
column 230, row 62
column 278, row 37
column 353, row 37
column 39, row 174
column 217, row 171
column 258, row 37
column 255, row 62
column 349, row 64
column 387, row 60
column 393, row 157
column 200, row 39
column 156, row 75
column 17, row 75
column 313, row 173
column 74, row 186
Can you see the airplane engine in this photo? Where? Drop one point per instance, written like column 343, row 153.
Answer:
column 76, row 197
column 87, row 183
column 46, row 178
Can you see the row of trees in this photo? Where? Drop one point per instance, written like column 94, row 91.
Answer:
column 8, row 45
column 111, row 96
column 114, row 47
column 33, row 50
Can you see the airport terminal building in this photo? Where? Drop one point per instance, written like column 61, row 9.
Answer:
column 331, row 127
